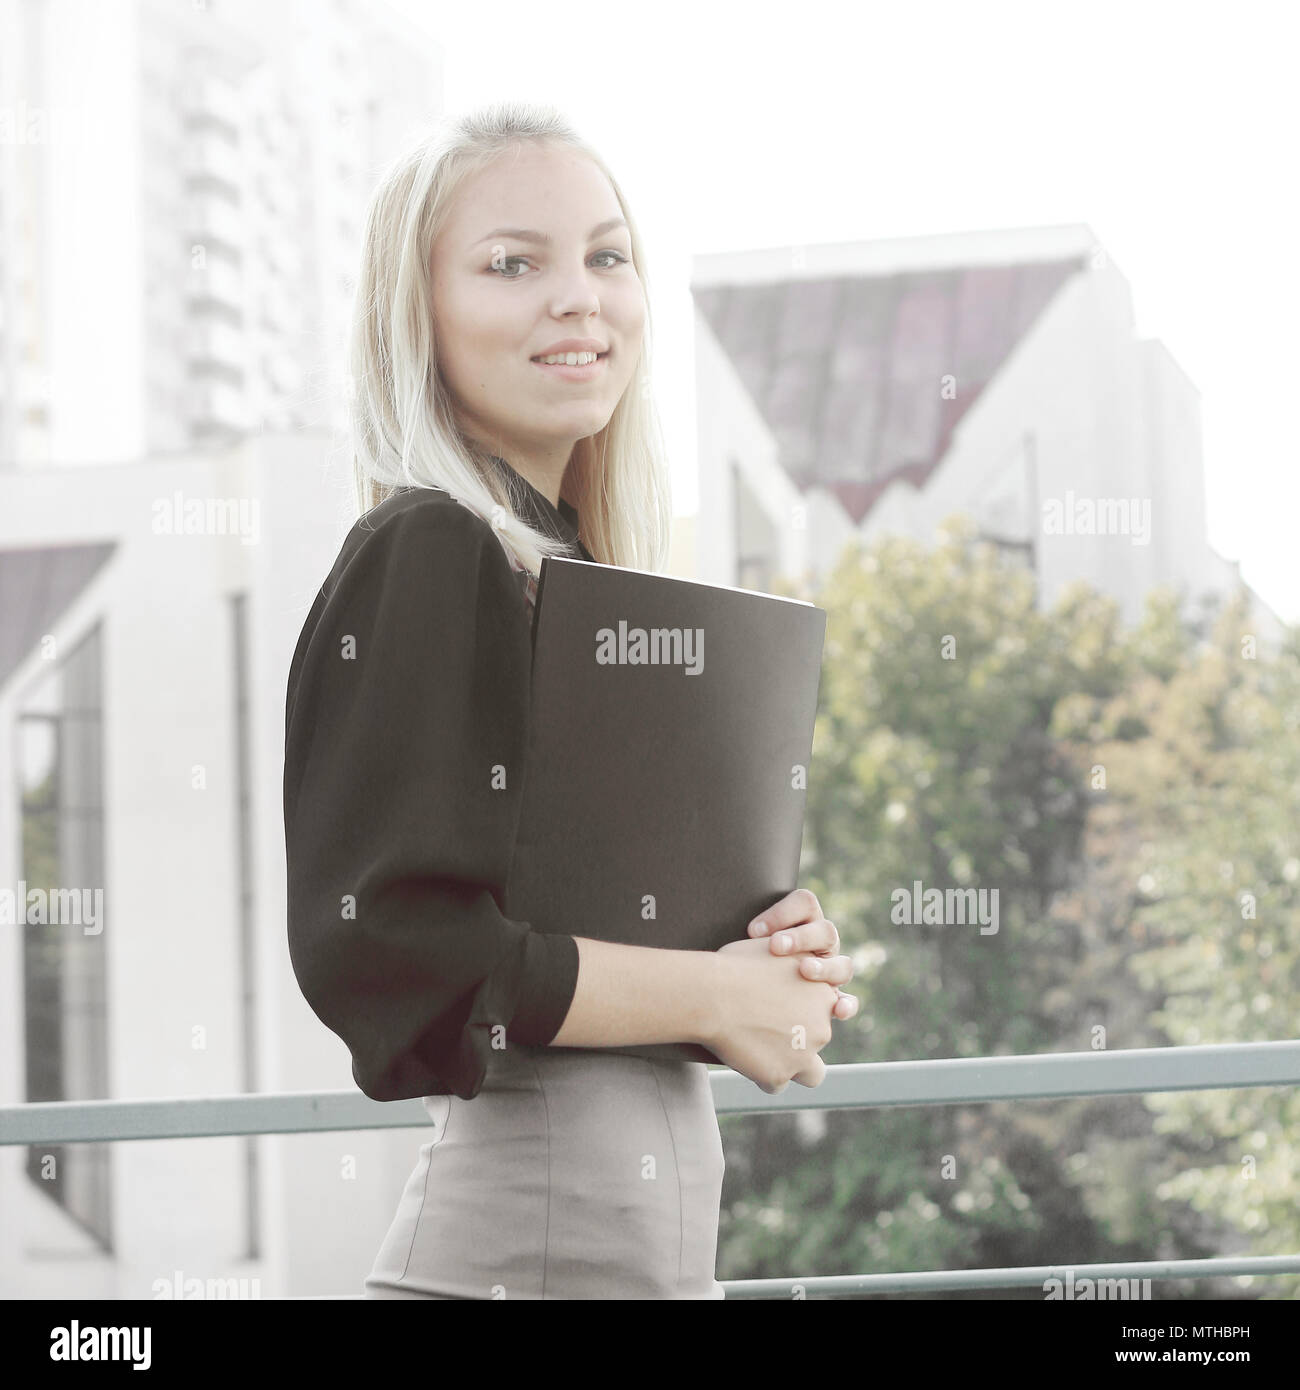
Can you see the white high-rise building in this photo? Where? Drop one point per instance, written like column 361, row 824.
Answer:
column 182, row 184
column 182, row 187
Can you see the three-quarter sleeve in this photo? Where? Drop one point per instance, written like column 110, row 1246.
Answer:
column 406, row 730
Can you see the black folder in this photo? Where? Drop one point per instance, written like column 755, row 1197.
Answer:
column 672, row 727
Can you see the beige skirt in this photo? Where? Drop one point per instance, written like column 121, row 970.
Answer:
column 574, row 1173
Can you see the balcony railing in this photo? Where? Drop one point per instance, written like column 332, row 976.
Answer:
column 949, row 1081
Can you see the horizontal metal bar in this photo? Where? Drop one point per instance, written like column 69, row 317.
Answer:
column 94, row 1121
column 1016, row 1276
column 1042, row 1076
column 1022, row 1276
column 863, row 1085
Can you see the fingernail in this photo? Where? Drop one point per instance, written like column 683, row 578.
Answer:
column 783, row 942
column 758, row 927
column 814, row 967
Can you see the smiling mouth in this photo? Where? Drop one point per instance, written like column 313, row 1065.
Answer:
column 600, row 357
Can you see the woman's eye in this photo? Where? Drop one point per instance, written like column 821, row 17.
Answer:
column 497, row 267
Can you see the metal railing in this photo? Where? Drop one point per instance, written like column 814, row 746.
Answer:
column 947, row 1081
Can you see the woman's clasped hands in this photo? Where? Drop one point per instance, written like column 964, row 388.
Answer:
column 771, row 1026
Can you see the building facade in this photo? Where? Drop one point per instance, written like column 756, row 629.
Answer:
column 881, row 387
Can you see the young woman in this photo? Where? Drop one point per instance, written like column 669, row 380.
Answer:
column 502, row 412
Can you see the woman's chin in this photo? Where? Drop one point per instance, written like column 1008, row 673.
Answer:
column 577, row 420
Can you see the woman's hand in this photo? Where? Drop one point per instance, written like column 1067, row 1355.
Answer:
column 768, row 1023
column 796, row 926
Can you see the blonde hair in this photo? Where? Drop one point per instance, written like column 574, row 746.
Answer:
column 403, row 427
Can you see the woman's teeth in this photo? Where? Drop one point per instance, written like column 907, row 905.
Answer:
column 569, row 359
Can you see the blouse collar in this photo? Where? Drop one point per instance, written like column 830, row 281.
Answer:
column 536, row 508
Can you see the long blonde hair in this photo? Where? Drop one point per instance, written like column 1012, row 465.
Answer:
column 404, row 432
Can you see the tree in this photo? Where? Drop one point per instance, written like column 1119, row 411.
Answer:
column 954, row 749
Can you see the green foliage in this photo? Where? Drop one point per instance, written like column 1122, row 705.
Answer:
column 1098, row 779
column 1218, row 779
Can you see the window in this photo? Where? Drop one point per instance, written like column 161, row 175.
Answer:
column 247, row 953
column 60, row 735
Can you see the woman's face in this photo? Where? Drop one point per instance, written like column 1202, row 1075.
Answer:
column 534, row 253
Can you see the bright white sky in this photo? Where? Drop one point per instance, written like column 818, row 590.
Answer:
column 1168, row 128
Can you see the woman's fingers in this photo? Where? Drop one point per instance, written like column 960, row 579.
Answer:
column 813, row 1074
column 846, row 1007
column 834, row 970
column 795, row 908
column 795, row 926
column 818, row 935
